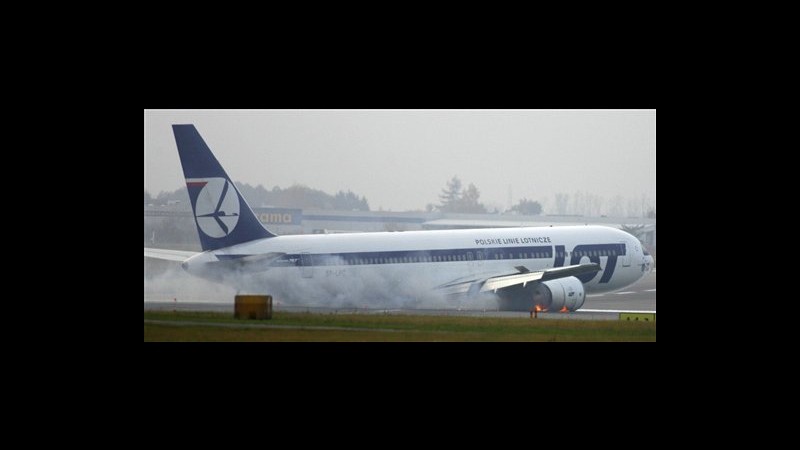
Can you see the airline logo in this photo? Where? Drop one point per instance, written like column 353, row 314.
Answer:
column 216, row 207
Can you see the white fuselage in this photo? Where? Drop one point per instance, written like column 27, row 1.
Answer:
column 315, row 269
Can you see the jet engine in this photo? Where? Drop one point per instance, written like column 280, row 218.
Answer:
column 562, row 294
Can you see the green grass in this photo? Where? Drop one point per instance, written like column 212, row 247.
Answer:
column 374, row 327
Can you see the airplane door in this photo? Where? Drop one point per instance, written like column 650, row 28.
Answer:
column 306, row 268
column 479, row 257
column 626, row 258
column 475, row 260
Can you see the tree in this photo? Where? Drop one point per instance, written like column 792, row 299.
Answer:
column 528, row 207
column 469, row 201
column 147, row 198
column 616, row 206
column 651, row 213
column 456, row 200
column 636, row 230
column 562, row 200
column 450, row 195
column 348, row 201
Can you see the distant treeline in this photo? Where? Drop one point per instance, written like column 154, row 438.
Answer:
column 296, row 196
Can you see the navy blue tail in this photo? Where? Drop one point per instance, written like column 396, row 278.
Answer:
column 222, row 216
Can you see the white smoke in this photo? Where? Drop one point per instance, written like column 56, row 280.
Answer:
column 169, row 282
column 337, row 286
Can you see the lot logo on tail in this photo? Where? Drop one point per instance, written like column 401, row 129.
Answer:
column 217, row 206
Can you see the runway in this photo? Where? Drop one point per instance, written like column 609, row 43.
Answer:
column 638, row 297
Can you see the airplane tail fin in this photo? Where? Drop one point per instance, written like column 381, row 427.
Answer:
column 222, row 216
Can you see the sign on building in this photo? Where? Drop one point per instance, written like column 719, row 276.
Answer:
column 279, row 216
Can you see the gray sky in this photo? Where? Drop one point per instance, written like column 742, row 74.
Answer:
column 401, row 159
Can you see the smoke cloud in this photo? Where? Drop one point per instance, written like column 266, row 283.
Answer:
column 333, row 286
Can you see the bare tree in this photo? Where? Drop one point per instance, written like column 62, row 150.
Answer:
column 636, row 230
column 562, row 200
column 615, row 206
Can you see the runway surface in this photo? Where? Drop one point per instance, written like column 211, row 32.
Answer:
column 638, row 297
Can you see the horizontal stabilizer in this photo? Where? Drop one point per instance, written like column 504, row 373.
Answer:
column 168, row 255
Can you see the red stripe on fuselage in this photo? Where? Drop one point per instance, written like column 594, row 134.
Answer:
column 196, row 183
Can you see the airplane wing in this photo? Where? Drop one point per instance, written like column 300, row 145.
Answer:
column 247, row 263
column 522, row 277
column 169, row 255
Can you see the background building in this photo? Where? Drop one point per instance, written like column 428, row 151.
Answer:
column 172, row 226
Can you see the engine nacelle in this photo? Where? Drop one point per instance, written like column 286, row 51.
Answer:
column 555, row 295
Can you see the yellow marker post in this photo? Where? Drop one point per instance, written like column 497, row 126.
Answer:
column 638, row 317
column 253, row 307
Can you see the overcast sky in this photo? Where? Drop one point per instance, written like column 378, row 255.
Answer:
column 401, row 159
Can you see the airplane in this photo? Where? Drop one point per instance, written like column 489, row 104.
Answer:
column 522, row 269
